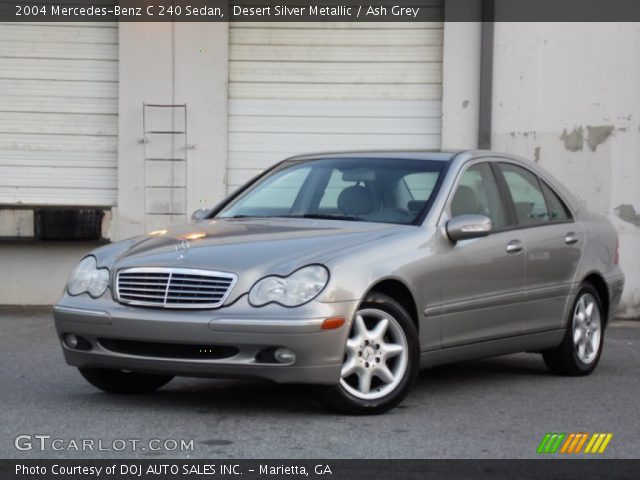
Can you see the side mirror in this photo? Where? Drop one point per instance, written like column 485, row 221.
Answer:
column 464, row 227
column 199, row 214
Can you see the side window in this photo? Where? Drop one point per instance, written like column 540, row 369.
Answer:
column 528, row 199
column 477, row 194
column 558, row 211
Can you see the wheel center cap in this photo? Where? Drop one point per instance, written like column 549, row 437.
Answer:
column 368, row 354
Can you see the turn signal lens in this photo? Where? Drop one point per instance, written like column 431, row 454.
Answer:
column 616, row 255
column 332, row 323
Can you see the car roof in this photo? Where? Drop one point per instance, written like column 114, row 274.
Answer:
column 437, row 155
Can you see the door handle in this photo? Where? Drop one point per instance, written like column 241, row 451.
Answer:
column 571, row 238
column 514, row 246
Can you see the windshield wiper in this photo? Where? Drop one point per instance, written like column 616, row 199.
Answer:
column 323, row 216
column 320, row 216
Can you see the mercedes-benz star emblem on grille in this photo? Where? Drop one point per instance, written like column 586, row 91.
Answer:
column 182, row 247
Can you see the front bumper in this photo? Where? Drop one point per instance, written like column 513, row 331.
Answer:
column 249, row 331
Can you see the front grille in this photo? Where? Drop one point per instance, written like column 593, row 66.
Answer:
column 173, row 287
column 168, row 350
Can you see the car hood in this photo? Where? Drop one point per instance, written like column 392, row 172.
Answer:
column 250, row 248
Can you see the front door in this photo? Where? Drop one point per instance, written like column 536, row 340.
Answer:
column 483, row 278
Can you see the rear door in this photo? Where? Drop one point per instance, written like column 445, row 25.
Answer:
column 553, row 243
column 483, row 294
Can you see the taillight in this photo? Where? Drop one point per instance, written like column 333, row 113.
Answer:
column 616, row 255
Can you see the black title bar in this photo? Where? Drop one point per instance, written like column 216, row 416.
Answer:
column 318, row 469
column 319, row 10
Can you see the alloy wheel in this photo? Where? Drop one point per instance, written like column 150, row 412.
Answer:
column 376, row 355
column 586, row 328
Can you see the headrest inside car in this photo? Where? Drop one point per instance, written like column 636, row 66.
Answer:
column 356, row 200
column 465, row 202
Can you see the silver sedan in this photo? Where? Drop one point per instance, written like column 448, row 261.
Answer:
column 351, row 271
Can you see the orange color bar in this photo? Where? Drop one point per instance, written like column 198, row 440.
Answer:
column 567, row 443
column 576, row 439
column 581, row 443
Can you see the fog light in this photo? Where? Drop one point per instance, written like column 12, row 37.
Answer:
column 284, row 355
column 71, row 340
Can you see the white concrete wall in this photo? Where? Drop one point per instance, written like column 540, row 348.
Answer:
column 460, row 84
column 159, row 63
column 568, row 96
column 35, row 273
column 171, row 63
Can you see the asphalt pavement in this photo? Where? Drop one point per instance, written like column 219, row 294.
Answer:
column 493, row 408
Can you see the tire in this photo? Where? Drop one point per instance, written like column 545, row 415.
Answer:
column 389, row 357
column 118, row 381
column 585, row 326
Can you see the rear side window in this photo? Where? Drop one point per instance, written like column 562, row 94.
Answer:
column 529, row 202
column 558, row 211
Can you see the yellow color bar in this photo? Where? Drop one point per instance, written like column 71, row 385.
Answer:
column 606, row 441
column 594, row 437
column 596, row 445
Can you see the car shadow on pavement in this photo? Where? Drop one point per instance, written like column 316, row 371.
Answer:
column 508, row 369
column 209, row 395
column 205, row 396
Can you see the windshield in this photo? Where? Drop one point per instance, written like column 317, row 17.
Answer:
column 374, row 190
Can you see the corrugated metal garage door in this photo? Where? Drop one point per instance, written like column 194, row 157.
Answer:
column 303, row 87
column 58, row 113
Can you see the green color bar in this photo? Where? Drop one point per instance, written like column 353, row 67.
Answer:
column 543, row 443
column 558, row 442
column 551, row 442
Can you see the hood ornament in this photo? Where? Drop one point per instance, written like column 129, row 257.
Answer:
column 182, row 247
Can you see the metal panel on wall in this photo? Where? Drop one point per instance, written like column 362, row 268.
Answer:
column 58, row 113
column 304, row 87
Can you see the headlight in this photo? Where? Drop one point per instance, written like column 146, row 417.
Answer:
column 88, row 278
column 300, row 287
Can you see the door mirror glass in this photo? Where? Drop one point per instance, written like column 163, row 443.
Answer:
column 464, row 227
column 199, row 214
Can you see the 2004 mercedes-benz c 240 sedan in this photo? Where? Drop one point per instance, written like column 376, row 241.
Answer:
column 351, row 271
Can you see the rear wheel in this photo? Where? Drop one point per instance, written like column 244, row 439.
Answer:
column 381, row 359
column 120, row 381
column 580, row 350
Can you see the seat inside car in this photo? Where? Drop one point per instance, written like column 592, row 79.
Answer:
column 356, row 201
column 416, row 206
column 465, row 202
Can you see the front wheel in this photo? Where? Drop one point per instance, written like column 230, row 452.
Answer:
column 580, row 350
column 121, row 381
column 381, row 359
